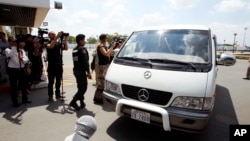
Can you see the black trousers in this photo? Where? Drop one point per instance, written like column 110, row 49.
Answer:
column 17, row 80
column 82, row 83
column 55, row 72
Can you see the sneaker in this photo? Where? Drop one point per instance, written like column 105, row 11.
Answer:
column 82, row 105
column 75, row 106
column 98, row 102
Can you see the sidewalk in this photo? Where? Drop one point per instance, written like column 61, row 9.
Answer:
column 45, row 121
column 42, row 120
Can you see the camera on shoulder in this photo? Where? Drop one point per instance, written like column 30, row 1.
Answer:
column 43, row 40
column 42, row 31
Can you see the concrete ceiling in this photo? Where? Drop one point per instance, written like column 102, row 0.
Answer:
column 27, row 13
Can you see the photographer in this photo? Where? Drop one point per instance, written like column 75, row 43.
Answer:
column 118, row 44
column 103, row 54
column 54, row 56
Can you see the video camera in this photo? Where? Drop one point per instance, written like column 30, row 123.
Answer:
column 43, row 40
column 42, row 31
column 64, row 34
column 117, row 40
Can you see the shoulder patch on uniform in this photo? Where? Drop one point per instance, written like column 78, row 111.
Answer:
column 83, row 51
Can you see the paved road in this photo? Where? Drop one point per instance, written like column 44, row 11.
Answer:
column 43, row 121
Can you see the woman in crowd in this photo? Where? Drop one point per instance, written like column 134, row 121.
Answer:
column 103, row 54
column 36, row 60
column 17, row 60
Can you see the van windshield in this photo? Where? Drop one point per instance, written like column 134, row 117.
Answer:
column 191, row 46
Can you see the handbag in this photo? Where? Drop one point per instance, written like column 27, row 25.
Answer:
column 44, row 76
column 27, row 69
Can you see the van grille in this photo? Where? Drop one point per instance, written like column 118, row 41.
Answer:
column 155, row 96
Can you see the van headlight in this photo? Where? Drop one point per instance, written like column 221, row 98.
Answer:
column 196, row 103
column 112, row 87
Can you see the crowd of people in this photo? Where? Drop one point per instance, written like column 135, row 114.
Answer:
column 26, row 52
column 24, row 64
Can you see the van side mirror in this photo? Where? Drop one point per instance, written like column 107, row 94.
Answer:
column 226, row 59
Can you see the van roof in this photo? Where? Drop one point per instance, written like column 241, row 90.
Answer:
column 160, row 27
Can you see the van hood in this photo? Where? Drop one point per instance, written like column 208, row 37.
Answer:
column 179, row 83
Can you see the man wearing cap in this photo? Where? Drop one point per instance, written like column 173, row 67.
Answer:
column 85, row 127
column 55, row 69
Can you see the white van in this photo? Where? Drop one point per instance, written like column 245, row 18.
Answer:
column 165, row 75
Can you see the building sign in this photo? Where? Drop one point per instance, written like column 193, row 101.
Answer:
column 45, row 23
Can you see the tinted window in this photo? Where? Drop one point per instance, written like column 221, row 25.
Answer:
column 184, row 45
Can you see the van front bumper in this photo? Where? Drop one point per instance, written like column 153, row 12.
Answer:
column 169, row 118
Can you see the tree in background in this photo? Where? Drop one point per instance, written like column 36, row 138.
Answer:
column 72, row 39
column 94, row 40
column 111, row 36
column 91, row 40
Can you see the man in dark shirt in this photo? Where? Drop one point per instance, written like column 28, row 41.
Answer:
column 54, row 56
column 81, row 71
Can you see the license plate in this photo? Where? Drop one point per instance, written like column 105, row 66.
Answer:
column 140, row 115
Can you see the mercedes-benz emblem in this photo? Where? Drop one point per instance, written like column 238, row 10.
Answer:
column 147, row 74
column 143, row 95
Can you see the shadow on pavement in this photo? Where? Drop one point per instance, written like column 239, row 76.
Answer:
column 15, row 115
column 124, row 128
column 60, row 107
column 38, row 97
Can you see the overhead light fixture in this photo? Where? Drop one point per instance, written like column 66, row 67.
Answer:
column 6, row 9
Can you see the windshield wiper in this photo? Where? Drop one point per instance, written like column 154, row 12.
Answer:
column 140, row 60
column 175, row 62
column 129, row 58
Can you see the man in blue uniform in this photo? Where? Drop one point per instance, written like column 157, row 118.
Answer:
column 81, row 71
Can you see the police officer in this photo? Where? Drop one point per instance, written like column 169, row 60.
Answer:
column 81, row 71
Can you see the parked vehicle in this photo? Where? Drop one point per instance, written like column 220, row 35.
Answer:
column 165, row 75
